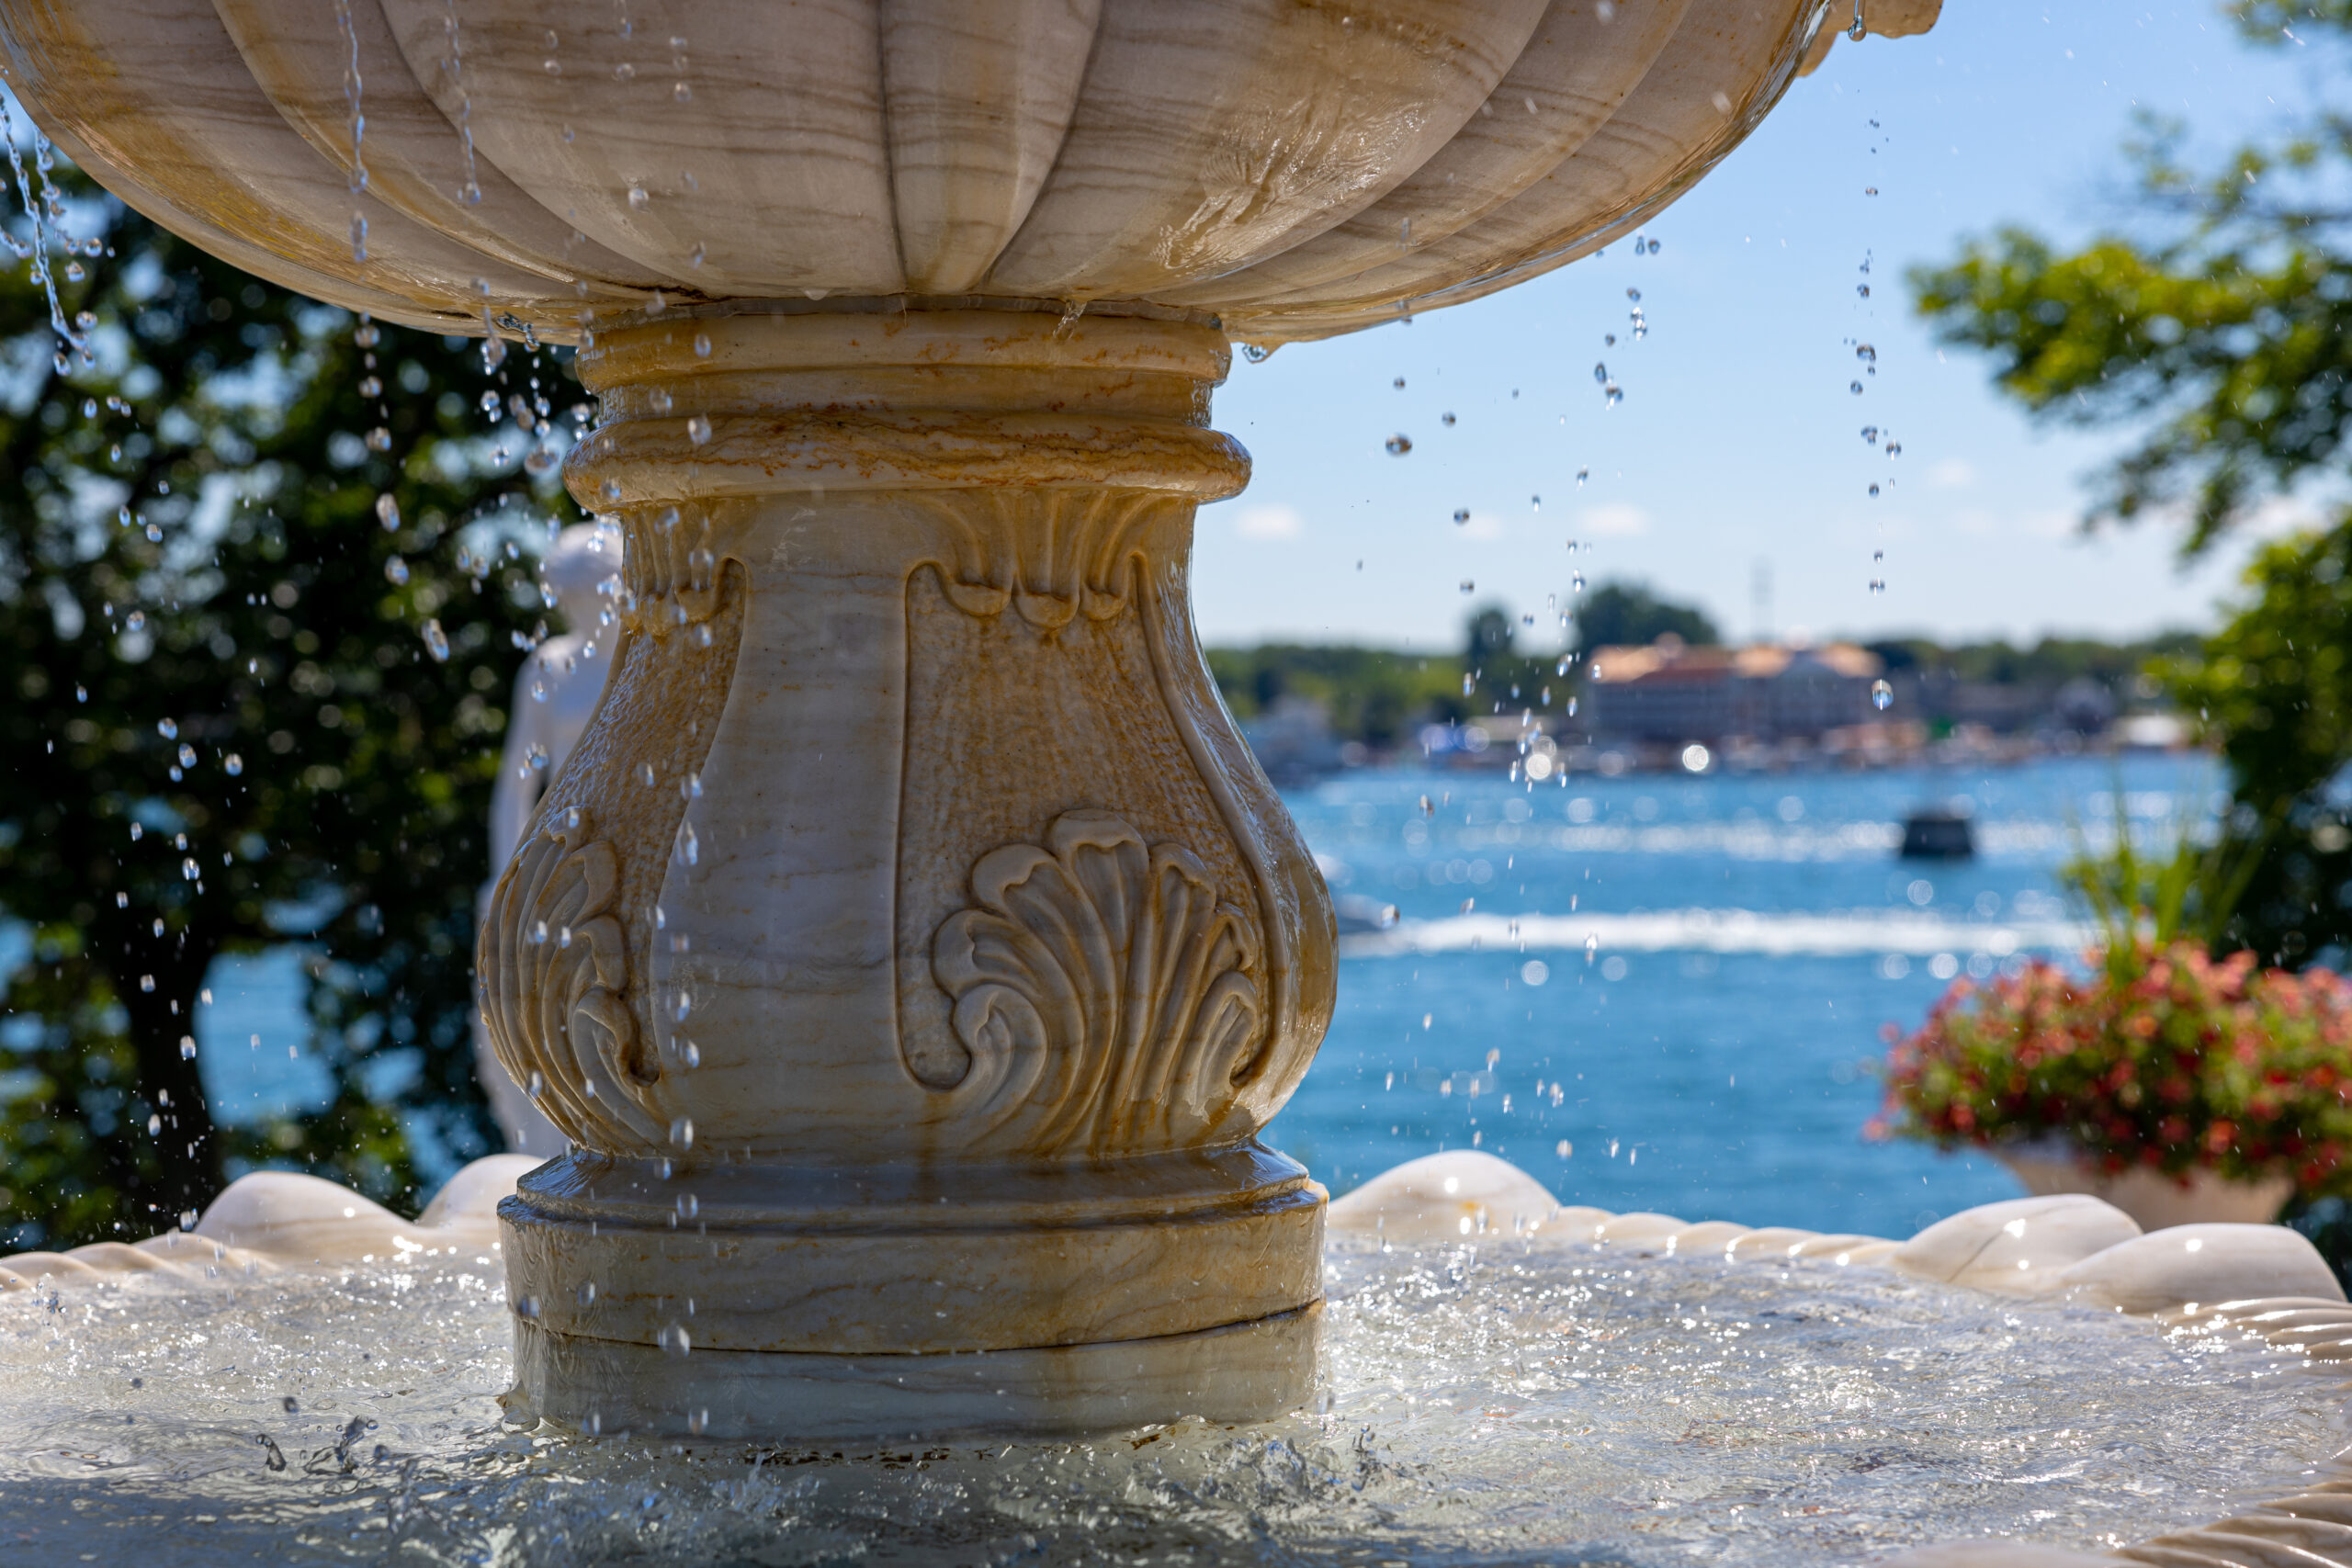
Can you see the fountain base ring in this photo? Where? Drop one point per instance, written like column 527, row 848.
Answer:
column 1243, row 1371
column 896, row 1261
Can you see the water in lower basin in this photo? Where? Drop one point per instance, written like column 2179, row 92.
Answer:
column 1494, row 1404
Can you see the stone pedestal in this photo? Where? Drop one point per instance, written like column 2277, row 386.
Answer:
column 910, row 946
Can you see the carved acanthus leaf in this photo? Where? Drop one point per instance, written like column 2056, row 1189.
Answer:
column 1109, row 999
column 1048, row 555
column 670, row 580
column 554, row 963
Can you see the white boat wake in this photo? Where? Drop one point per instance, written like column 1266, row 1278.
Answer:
column 1724, row 930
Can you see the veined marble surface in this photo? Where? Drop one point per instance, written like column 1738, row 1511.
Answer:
column 1291, row 170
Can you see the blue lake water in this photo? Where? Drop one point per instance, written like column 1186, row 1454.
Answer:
column 1679, row 980
column 1714, row 959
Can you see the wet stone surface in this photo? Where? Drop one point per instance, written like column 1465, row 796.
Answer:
column 1481, row 1406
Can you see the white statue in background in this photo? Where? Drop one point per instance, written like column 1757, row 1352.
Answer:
column 555, row 694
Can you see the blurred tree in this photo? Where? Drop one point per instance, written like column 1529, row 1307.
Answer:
column 2275, row 685
column 1617, row 614
column 1374, row 695
column 256, row 630
column 2227, row 331
column 1501, row 675
column 2225, row 328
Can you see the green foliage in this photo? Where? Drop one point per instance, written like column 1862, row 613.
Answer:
column 2274, row 687
column 2188, row 894
column 248, row 711
column 2227, row 331
column 1617, row 613
column 2243, row 361
column 1373, row 695
column 1499, row 673
column 2051, row 661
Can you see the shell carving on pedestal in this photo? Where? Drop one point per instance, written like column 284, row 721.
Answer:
column 1107, row 997
column 556, row 982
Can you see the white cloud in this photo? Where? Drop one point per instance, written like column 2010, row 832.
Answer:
column 1269, row 522
column 1951, row 474
column 1617, row 519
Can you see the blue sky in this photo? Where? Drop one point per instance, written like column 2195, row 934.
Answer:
column 1739, row 440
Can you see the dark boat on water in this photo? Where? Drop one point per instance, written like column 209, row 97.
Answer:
column 1935, row 833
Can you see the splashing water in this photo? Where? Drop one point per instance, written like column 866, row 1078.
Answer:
column 47, row 213
column 1479, row 1403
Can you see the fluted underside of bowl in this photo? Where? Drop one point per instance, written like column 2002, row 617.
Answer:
column 1292, row 168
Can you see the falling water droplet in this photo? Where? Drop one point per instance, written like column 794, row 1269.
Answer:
column 1468, row 586
column 1882, row 696
column 395, row 569
column 1873, row 492
column 1468, row 685
column 387, row 513
column 436, row 641
column 233, row 764
column 1461, row 515
column 1582, row 475
column 1398, row 445
column 1445, row 419
column 1866, row 354
column 168, row 729
column 1856, row 388
column 702, row 346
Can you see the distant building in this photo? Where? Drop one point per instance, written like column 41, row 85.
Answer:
column 1669, row 692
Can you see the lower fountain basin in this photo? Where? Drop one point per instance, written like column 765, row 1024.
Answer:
column 1664, row 1397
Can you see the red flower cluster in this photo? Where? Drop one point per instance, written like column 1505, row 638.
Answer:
column 2161, row 1057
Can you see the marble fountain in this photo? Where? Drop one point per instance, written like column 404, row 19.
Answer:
column 912, row 1111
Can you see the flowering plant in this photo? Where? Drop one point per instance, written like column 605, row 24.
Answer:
column 2161, row 1056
